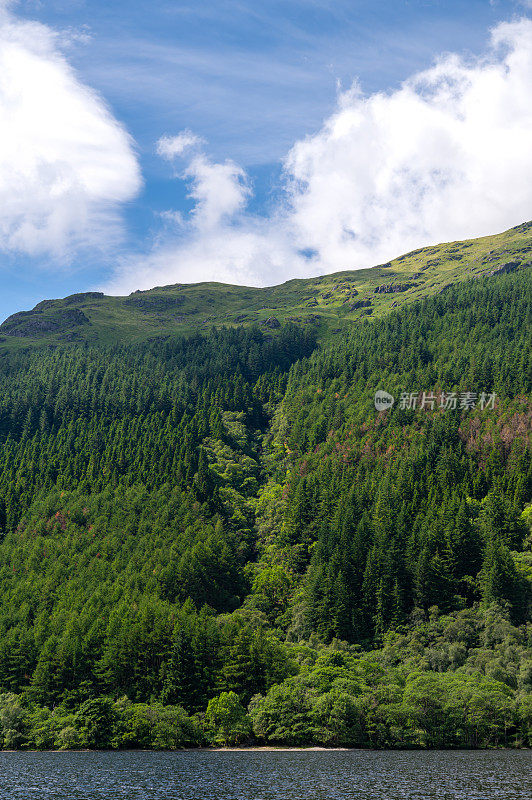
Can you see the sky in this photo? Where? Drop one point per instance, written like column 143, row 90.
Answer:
column 149, row 144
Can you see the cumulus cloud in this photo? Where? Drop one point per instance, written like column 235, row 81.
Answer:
column 218, row 241
column 219, row 191
column 66, row 165
column 445, row 156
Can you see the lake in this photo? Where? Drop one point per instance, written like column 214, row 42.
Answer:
column 277, row 775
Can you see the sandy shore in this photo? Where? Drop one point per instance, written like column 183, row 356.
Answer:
column 266, row 749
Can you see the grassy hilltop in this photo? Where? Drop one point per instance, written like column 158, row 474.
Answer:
column 331, row 302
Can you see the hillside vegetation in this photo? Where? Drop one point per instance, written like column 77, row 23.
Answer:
column 330, row 304
column 216, row 538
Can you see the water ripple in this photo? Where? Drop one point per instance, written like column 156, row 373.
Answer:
column 330, row 775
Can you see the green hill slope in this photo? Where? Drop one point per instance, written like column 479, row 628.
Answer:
column 332, row 302
column 218, row 536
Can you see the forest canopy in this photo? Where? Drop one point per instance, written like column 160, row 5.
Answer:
column 218, row 538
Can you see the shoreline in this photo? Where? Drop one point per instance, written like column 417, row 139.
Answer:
column 281, row 749
column 257, row 749
column 271, row 748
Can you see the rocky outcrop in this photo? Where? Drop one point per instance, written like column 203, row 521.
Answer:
column 74, row 299
column 359, row 304
column 349, row 299
column 391, row 288
column 37, row 325
column 524, row 227
column 509, row 266
column 271, row 322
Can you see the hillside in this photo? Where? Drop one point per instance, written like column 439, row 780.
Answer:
column 217, row 538
column 330, row 303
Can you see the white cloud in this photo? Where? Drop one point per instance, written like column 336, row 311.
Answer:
column 70, row 37
column 219, row 190
column 66, row 164
column 446, row 156
column 172, row 217
column 171, row 147
column 218, row 241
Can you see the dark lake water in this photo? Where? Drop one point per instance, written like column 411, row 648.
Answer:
column 330, row 775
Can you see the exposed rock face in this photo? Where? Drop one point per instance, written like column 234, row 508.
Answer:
column 271, row 322
column 360, row 304
column 510, row 266
column 36, row 324
column 524, row 227
column 389, row 288
column 353, row 293
column 82, row 297
column 73, row 299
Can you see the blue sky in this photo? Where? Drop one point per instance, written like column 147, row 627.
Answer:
column 250, row 80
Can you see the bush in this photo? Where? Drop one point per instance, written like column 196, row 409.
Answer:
column 95, row 722
column 226, row 719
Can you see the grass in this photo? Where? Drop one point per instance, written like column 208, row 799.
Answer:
column 331, row 302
